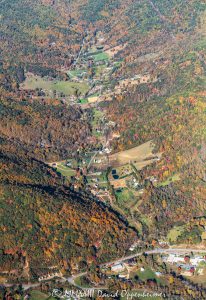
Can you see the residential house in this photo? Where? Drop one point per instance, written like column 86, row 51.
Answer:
column 117, row 268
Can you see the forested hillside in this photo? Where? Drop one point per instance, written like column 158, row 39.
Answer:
column 48, row 131
column 35, row 35
column 44, row 223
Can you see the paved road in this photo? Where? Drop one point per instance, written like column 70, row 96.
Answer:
column 71, row 279
column 155, row 251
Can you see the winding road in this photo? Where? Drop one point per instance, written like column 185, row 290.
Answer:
column 71, row 279
column 155, row 251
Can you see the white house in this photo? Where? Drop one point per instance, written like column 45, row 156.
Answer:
column 117, row 268
column 122, row 276
column 133, row 246
column 158, row 274
column 172, row 258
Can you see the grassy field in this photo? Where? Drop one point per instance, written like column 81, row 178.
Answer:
column 136, row 154
column 146, row 220
column 174, row 233
column 37, row 295
column 141, row 164
column 125, row 198
column 149, row 274
column 100, row 56
column 171, row 179
column 65, row 87
column 64, row 170
column 97, row 115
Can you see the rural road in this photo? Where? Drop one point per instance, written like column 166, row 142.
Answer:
column 71, row 279
column 155, row 251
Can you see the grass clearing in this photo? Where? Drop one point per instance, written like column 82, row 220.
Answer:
column 141, row 164
column 68, row 88
column 146, row 220
column 146, row 274
column 171, row 179
column 149, row 274
column 136, row 154
column 97, row 116
column 65, row 171
column 100, row 56
column 37, row 295
column 118, row 63
column 175, row 232
column 125, row 197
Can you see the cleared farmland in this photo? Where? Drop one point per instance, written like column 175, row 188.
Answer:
column 50, row 86
column 134, row 155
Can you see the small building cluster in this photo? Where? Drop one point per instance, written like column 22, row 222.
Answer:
column 186, row 265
